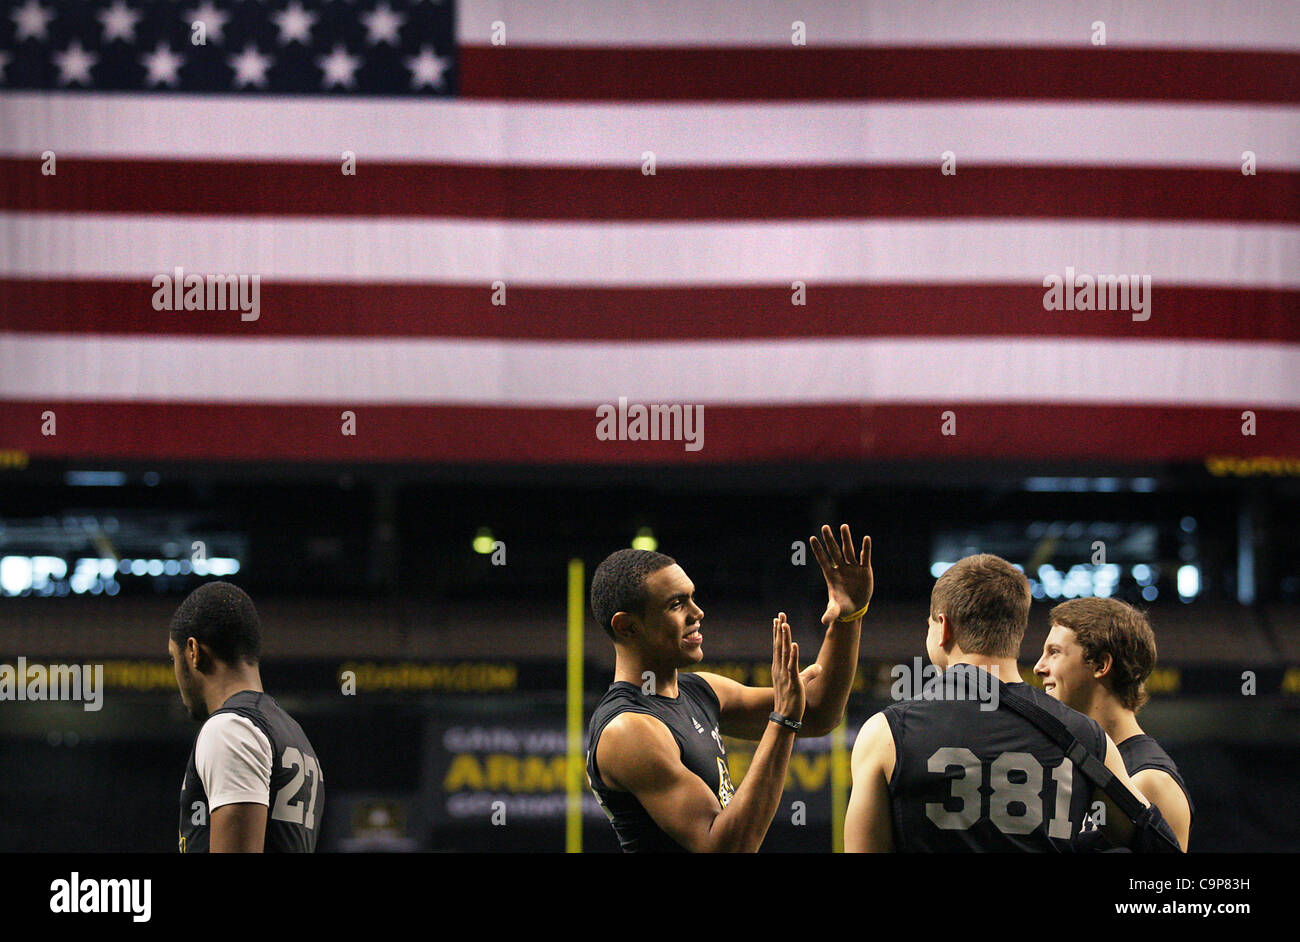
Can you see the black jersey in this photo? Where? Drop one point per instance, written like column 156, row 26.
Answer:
column 296, row 793
column 972, row 779
column 692, row 717
column 1142, row 752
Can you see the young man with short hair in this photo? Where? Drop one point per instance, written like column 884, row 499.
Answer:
column 1096, row 659
column 655, row 756
column 955, row 772
column 253, row 782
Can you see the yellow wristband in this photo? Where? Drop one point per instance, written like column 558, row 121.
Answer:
column 856, row 615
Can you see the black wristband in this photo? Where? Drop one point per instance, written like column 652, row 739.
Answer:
column 785, row 721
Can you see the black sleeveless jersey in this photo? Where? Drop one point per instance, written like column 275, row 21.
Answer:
column 1142, row 752
column 692, row 718
column 297, row 791
column 972, row 779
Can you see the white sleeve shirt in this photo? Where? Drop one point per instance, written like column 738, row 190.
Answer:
column 233, row 759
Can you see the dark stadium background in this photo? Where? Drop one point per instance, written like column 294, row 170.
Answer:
column 369, row 567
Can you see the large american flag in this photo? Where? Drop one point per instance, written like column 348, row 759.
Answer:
column 801, row 151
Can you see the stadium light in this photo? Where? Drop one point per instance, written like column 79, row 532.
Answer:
column 483, row 541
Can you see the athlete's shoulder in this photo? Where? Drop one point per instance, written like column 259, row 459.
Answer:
column 1142, row 751
column 896, row 716
column 254, row 705
column 633, row 727
column 230, row 732
column 1083, row 727
column 233, row 759
column 899, row 708
column 697, row 687
column 897, row 713
column 620, row 700
column 281, row 718
column 876, row 731
column 634, row 740
column 619, row 697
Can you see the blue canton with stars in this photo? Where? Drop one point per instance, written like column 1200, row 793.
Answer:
column 270, row 47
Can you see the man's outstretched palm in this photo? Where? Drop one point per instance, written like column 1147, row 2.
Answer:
column 849, row 581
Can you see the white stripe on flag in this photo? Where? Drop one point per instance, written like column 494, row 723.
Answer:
column 1265, row 24
column 56, row 245
column 531, row 373
column 574, row 135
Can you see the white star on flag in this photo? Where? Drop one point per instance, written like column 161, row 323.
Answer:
column 163, row 66
column 339, row 68
column 250, row 67
column 75, row 64
column 295, row 24
column 119, row 22
column 32, row 20
column 213, row 20
column 427, row 68
column 382, row 25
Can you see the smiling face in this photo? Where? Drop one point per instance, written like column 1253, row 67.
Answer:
column 670, row 628
column 1065, row 674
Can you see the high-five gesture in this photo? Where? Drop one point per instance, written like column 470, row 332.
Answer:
column 787, row 683
column 634, row 759
column 849, row 581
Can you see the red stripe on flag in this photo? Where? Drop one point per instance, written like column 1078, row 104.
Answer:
column 884, row 73
column 267, row 188
column 462, row 435
column 730, row 313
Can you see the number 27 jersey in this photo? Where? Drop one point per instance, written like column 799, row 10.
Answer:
column 251, row 750
column 969, row 778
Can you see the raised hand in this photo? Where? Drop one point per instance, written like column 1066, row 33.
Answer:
column 787, row 684
column 849, row 582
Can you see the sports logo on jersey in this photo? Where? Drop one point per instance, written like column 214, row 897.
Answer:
column 698, row 728
column 725, row 788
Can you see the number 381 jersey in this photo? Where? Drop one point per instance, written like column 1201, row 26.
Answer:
column 250, row 750
column 973, row 779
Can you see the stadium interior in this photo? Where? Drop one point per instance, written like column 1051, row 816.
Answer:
column 442, row 593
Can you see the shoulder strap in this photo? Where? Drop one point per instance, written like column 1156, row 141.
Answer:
column 1093, row 768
